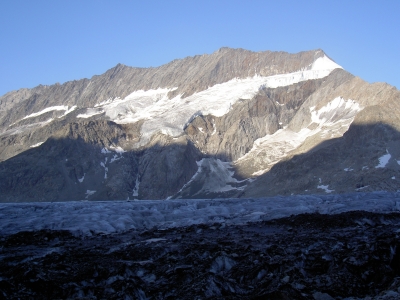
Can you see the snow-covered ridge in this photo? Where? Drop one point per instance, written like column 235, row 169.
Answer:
column 171, row 115
column 117, row 216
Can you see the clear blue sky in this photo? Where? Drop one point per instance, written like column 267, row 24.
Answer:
column 44, row 42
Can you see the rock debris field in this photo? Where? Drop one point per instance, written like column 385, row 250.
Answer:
column 351, row 255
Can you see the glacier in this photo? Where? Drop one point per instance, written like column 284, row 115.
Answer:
column 89, row 217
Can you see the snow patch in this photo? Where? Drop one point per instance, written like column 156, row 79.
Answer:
column 37, row 145
column 69, row 111
column 48, row 109
column 108, row 101
column 22, row 128
column 104, row 165
column 361, row 188
column 81, row 179
column 89, row 193
column 383, row 160
column 115, row 158
column 117, row 149
column 325, row 188
column 216, row 176
column 324, row 63
column 334, row 111
column 105, row 151
column 135, row 192
column 90, row 112
column 271, row 149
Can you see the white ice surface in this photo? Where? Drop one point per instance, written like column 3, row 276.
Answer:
column 87, row 217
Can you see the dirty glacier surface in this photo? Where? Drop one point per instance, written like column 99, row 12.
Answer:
column 299, row 247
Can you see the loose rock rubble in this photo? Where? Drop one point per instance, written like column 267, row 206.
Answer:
column 354, row 255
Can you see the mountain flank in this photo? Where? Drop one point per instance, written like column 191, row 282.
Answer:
column 233, row 123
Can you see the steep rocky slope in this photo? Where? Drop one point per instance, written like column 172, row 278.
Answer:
column 230, row 124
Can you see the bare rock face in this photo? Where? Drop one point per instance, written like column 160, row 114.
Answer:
column 233, row 123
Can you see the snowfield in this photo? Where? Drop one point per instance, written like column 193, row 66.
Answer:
column 86, row 217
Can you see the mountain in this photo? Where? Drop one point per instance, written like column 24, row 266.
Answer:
column 234, row 123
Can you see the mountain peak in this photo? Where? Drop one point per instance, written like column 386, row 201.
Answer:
column 204, row 126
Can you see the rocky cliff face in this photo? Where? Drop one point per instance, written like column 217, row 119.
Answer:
column 230, row 124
